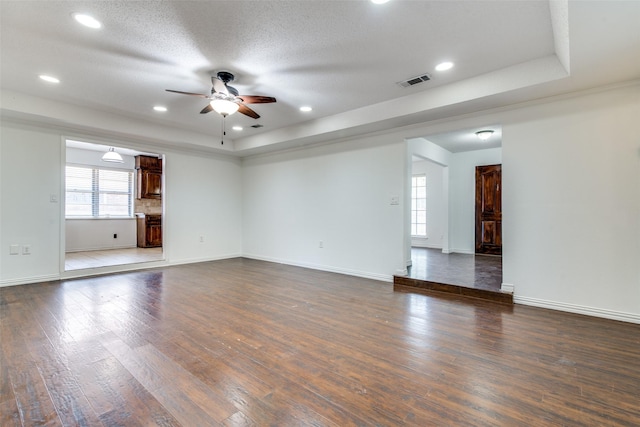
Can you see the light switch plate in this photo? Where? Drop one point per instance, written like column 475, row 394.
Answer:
column 14, row 250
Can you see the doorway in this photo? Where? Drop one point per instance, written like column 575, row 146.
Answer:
column 102, row 208
column 455, row 262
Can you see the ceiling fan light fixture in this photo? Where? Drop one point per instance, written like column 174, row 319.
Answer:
column 87, row 20
column 112, row 156
column 483, row 135
column 224, row 107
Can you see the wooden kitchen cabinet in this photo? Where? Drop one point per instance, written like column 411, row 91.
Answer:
column 149, row 184
column 149, row 230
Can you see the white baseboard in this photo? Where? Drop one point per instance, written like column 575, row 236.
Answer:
column 363, row 274
column 203, row 259
column 101, row 248
column 579, row 309
column 28, row 280
column 507, row 288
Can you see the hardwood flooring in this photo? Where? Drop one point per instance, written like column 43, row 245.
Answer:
column 242, row 342
column 107, row 257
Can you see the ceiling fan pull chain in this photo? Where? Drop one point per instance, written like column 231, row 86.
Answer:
column 224, row 132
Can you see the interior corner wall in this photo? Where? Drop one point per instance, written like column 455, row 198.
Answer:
column 571, row 203
column 329, row 207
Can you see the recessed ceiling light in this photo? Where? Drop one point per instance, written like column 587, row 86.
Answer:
column 237, row 128
column 160, row 108
column 379, row 1
column 306, row 109
column 87, row 21
column 444, row 66
column 49, row 79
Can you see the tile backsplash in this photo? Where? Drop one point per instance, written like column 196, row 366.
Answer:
column 148, row 206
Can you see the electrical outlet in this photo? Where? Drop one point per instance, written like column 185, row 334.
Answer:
column 26, row 250
column 201, row 239
column 115, row 235
column 321, row 244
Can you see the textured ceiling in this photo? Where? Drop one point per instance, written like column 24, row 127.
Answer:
column 343, row 58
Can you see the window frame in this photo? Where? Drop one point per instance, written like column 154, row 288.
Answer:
column 414, row 207
column 96, row 192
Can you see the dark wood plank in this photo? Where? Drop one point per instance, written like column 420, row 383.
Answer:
column 242, row 342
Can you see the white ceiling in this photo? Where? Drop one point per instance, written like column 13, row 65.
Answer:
column 343, row 58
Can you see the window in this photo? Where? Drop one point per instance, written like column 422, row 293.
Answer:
column 419, row 206
column 96, row 192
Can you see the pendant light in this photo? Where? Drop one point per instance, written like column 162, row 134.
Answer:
column 112, row 156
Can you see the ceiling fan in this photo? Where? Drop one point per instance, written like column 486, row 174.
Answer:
column 225, row 100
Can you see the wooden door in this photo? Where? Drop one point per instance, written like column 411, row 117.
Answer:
column 489, row 209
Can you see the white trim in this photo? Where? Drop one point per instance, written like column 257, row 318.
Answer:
column 363, row 274
column 29, row 280
column 206, row 259
column 507, row 288
column 101, row 248
column 579, row 309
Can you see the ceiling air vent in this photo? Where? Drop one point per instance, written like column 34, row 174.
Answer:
column 415, row 80
column 257, row 126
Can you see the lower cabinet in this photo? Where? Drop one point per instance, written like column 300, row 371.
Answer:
column 149, row 230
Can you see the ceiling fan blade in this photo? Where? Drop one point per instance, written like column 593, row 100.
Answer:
column 188, row 93
column 206, row 109
column 255, row 99
column 219, row 86
column 248, row 111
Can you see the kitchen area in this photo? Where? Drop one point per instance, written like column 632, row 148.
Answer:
column 148, row 201
column 113, row 209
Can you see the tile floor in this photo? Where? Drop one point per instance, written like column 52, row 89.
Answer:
column 472, row 271
column 103, row 258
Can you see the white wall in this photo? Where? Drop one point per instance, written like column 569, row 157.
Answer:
column 203, row 197
column 30, row 174
column 462, row 196
column 337, row 194
column 95, row 234
column 571, row 194
column 436, row 204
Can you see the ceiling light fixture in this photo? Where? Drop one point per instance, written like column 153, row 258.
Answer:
column 444, row 66
column 305, row 109
column 238, row 128
column 379, row 1
column 160, row 108
column 224, row 107
column 484, row 134
column 87, row 21
column 49, row 79
column 112, row 156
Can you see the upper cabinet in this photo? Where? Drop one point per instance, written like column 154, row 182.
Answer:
column 149, row 177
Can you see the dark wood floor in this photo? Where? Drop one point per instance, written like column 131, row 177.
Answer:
column 243, row 342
